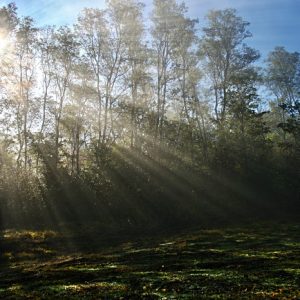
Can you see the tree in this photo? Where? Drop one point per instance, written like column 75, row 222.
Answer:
column 166, row 17
column 8, row 19
column 186, row 76
column 225, row 55
column 65, row 52
column 283, row 80
column 128, row 17
column 19, row 89
column 46, row 63
column 92, row 33
column 8, row 23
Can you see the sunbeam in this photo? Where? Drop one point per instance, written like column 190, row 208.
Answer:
column 149, row 150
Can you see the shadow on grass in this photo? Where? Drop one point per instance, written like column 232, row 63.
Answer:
column 258, row 261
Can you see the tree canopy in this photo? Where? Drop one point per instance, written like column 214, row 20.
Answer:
column 114, row 120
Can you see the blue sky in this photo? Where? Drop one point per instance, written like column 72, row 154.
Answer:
column 273, row 22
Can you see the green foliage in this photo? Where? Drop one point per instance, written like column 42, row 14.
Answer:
column 99, row 125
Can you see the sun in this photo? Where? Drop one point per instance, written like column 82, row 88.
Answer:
column 4, row 43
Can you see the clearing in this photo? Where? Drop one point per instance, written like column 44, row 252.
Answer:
column 260, row 261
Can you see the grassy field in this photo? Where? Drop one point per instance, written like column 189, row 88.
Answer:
column 253, row 262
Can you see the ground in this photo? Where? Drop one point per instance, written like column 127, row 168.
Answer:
column 260, row 261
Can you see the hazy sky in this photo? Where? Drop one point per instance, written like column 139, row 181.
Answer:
column 273, row 22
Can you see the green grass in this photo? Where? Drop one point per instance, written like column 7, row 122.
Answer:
column 254, row 262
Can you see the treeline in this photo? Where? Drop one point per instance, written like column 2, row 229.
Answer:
column 132, row 123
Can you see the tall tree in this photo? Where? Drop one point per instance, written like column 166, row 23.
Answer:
column 128, row 14
column 25, row 55
column 186, row 77
column 283, row 80
column 92, row 33
column 46, row 63
column 226, row 55
column 166, row 16
column 65, row 53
